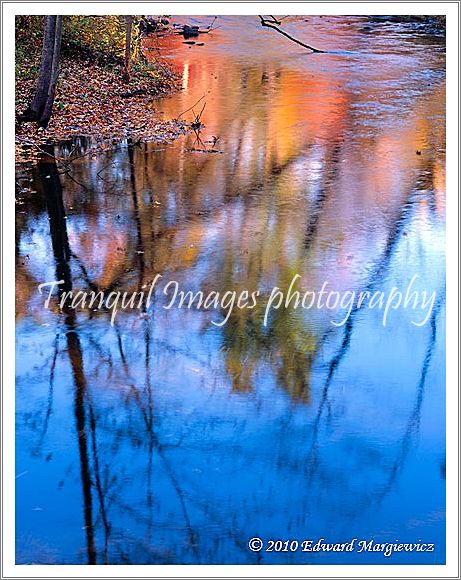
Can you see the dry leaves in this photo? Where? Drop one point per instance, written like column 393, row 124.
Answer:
column 94, row 100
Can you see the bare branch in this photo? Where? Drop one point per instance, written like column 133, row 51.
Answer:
column 190, row 108
column 271, row 25
column 275, row 21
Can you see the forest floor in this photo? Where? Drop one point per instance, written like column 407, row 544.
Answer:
column 93, row 100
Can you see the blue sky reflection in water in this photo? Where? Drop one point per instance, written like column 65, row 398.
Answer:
column 165, row 439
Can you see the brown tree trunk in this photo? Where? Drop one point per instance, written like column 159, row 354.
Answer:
column 37, row 106
column 129, row 26
column 45, row 117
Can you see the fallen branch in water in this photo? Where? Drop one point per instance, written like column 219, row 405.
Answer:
column 197, row 123
column 275, row 21
column 270, row 24
column 190, row 108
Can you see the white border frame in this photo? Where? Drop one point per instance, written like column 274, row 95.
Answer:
column 9, row 568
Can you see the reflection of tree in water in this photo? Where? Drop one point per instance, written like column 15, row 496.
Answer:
column 377, row 276
column 98, row 484
column 129, row 424
column 61, row 250
column 246, row 343
column 414, row 419
column 286, row 344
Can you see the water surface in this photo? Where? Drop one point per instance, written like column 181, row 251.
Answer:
column 167, row 439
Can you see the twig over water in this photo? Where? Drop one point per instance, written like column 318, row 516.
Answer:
column 190, row 108
column 270, row 24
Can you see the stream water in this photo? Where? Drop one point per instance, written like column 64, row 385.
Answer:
column 168, row 439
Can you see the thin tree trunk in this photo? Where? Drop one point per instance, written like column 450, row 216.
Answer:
column 129, row 26
column 37, row 106
column 45, row 117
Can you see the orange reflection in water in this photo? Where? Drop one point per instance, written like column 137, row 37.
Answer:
column 315, row 174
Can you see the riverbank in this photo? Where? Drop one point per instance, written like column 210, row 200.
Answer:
column 92, row 99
